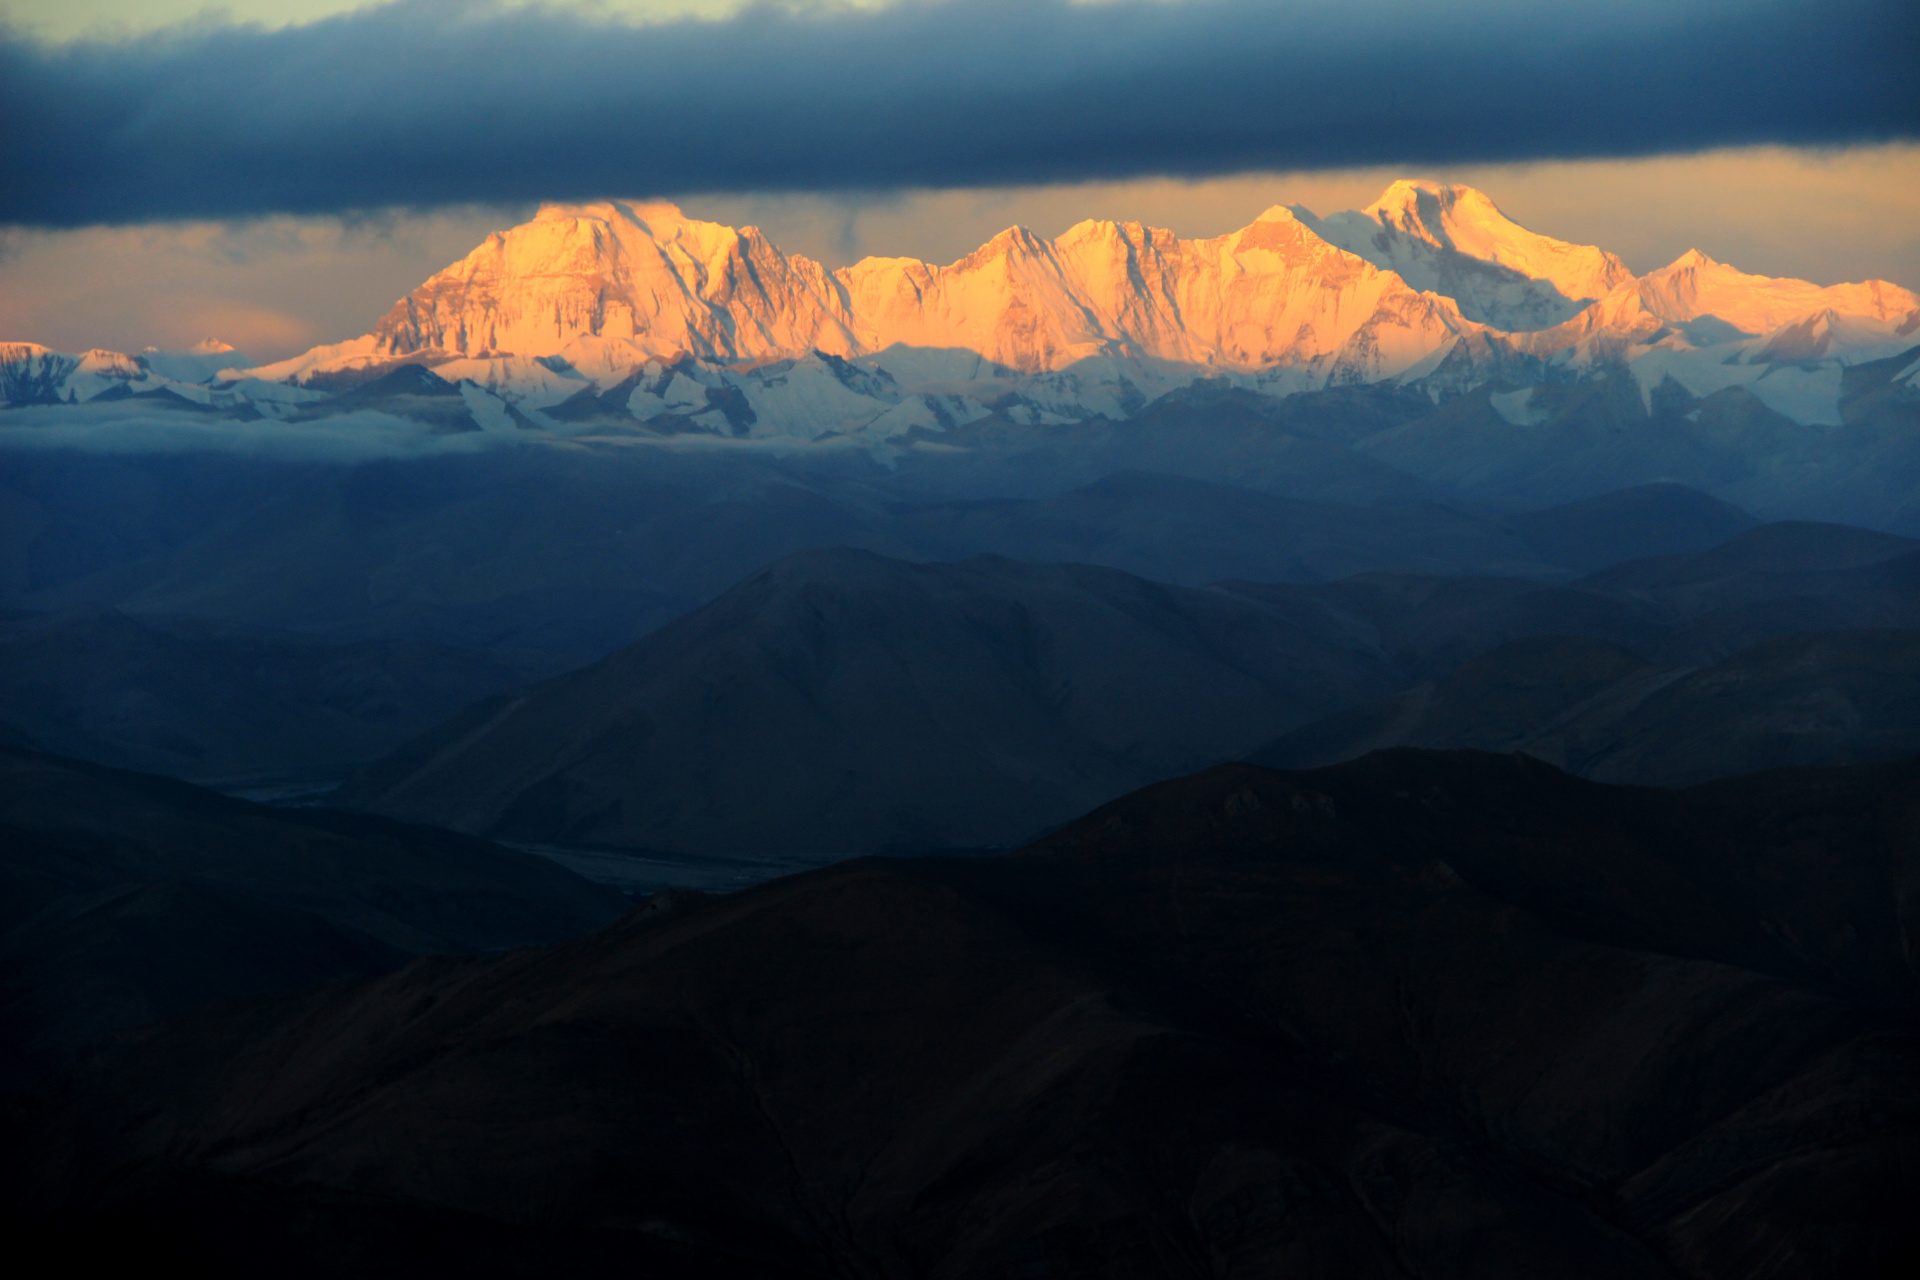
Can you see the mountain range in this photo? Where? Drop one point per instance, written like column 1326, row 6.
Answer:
column 868, row 704
column 1423, row 1015
column 223, row 704
column 840, row 702
column 677, row 560
column 636, row 312
column 1605, row 712
column 129, row 897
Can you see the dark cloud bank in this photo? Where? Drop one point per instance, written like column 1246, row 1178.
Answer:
column 423, row 103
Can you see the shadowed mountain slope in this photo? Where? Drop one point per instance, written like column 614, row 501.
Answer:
column 840, row 702
column 541, row 555
column 1493, row 702
column 1824, row 697
column 1173, row 529
column 1419, row 1016
column 1569, row 443
column 130, row 896
column 1297, row 448
column 1686, row 609
column 1881, row 595
column 209, row 705
column 1630, row 524
column 555, row 558
column 1772, row 580
column 1425, row 625
column 1606, row 713
column 1761, row 563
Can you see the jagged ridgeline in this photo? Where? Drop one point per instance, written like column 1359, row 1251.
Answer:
column 636, row 314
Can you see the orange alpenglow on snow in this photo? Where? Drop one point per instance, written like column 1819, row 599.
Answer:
column 1431, row 287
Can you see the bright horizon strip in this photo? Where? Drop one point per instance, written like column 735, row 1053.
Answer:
column 274, row 287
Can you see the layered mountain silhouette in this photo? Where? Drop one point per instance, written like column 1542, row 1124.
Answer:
column 550, row 560
column 1192, row 531
column 658, row 552
column 1421, row 1015
column 130, row 896
column 840, row 702
column 1630, row 524
column 207, row 704
column 1605, row 712
column 290, row 621
column 560, row 557
column 1666, row 670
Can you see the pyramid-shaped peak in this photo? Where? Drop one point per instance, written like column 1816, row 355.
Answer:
column 632, row 221
column 1401, row 190
column 1014, row 237
column 1403, row 200
column 604, row 211
column 1691, row 258
column 655, row 217
column 1279, row 213
column 658, row 213
column 1104, row 228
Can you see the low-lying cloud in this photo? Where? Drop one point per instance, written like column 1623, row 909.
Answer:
column 124, row 427
column 427, row 103
column 359, row 435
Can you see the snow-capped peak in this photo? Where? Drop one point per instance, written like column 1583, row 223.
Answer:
column 1424, row 209
column 1429, row 281
column 1454, row 240
column 205, row 361
column 1694, row 285
column 610, row 283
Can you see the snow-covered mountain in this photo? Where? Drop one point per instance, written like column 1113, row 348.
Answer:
column 1454, row 241
column 634, row 313
column 202, row 362
column 1096, row 320
column 208, row 375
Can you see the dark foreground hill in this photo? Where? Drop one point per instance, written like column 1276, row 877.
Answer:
column 840, row 702
column 1422, row 1015
column 1606, row 713
column 1685, row 608
column 128, row 897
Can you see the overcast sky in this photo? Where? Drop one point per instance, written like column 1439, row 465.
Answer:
column 279, row 174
